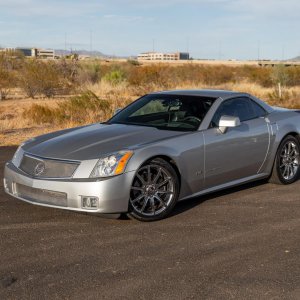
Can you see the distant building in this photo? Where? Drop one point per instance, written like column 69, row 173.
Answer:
column 164, row 56
column 33, row 52
column 44, row 53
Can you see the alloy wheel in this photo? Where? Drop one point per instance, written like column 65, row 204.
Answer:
column 152, row 191
column 289, row 160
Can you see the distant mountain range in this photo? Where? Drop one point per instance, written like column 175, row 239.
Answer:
column 86, row 53
column 81, row 52
column 295, row 59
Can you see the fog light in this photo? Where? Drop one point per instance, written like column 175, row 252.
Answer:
column 5, row 185
column 88, row 202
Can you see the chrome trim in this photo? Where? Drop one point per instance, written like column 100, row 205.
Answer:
column 50, row 158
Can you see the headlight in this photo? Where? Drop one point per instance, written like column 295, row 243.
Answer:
column 16, row 160
column 113, row 164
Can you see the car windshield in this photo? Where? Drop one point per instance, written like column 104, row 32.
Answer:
column 168, row 112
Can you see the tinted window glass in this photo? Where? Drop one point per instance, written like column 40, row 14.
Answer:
column 258, row 110
column 170, row 112
column 237, row 107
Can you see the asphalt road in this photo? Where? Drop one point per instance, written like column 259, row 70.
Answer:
column 239, row 244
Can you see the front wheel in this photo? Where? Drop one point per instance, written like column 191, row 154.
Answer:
column 154, row 191
column 286, row 168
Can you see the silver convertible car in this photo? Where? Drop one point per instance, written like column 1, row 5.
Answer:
column 163, row 148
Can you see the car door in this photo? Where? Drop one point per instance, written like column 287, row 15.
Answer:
column 240, row 151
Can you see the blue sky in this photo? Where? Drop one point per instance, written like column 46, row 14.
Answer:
column 227, row 29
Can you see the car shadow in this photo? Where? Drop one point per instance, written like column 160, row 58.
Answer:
column 190, row 203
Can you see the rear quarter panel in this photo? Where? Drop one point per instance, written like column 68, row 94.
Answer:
column 282, row 123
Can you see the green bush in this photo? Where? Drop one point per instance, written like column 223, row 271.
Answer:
column 115, row 77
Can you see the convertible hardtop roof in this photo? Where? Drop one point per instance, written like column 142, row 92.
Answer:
column 223, row 94
column 203, row 93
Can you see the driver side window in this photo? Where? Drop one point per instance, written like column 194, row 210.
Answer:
column 237, row 107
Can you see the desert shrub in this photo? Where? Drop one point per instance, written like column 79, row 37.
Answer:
column 153, row 75
column 293, row 74
column 11, row 60
column 68, row 69
column 6, row 83
column 255, row 74
column 280, row 75
column 82, row 109
column 115, row 77
column 44, row 78
column 89, row 73
column 280, row 78
column 39, row 114
column 8, row 69
column 133, row 62
column 28, row 79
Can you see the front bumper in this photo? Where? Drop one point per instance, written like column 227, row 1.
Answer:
column 112, row 193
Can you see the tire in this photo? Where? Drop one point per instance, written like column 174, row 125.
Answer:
column 154, row 191
column 286, row 169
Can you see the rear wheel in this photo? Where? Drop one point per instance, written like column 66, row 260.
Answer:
column 154, row 191
column 286, row 168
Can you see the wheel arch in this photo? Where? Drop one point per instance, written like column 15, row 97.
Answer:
column 274, row 178
column 280, row 136
column 291, row 133
column 169, row 160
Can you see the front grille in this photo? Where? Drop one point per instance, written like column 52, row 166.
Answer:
column 47, row 168
column 41, row 195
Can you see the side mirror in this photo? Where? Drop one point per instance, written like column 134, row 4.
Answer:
column 228, row 121
column 117, row 111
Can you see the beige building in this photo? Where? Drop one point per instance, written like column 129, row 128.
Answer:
column 44, row 53
column 163, row 56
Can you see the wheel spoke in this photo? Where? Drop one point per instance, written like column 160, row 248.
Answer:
column 149, row 174
column 285, row 171
column 140, row 197
column 164, row 182
column 157, row 175
column 291, row 171
column 289, row 148
column 161, row 201
column 145, row 204
column 152, row 205
column 141, row 179
column 136, row 188
column 164, row 192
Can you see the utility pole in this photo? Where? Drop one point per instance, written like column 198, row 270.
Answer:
column 65, row 43
column 187, row 44
column 91, row 41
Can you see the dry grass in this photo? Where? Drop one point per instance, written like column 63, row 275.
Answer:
column 15, row 128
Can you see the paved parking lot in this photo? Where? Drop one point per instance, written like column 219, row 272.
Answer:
column 238, row 244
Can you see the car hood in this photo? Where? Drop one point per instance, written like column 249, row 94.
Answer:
column 94, row 141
